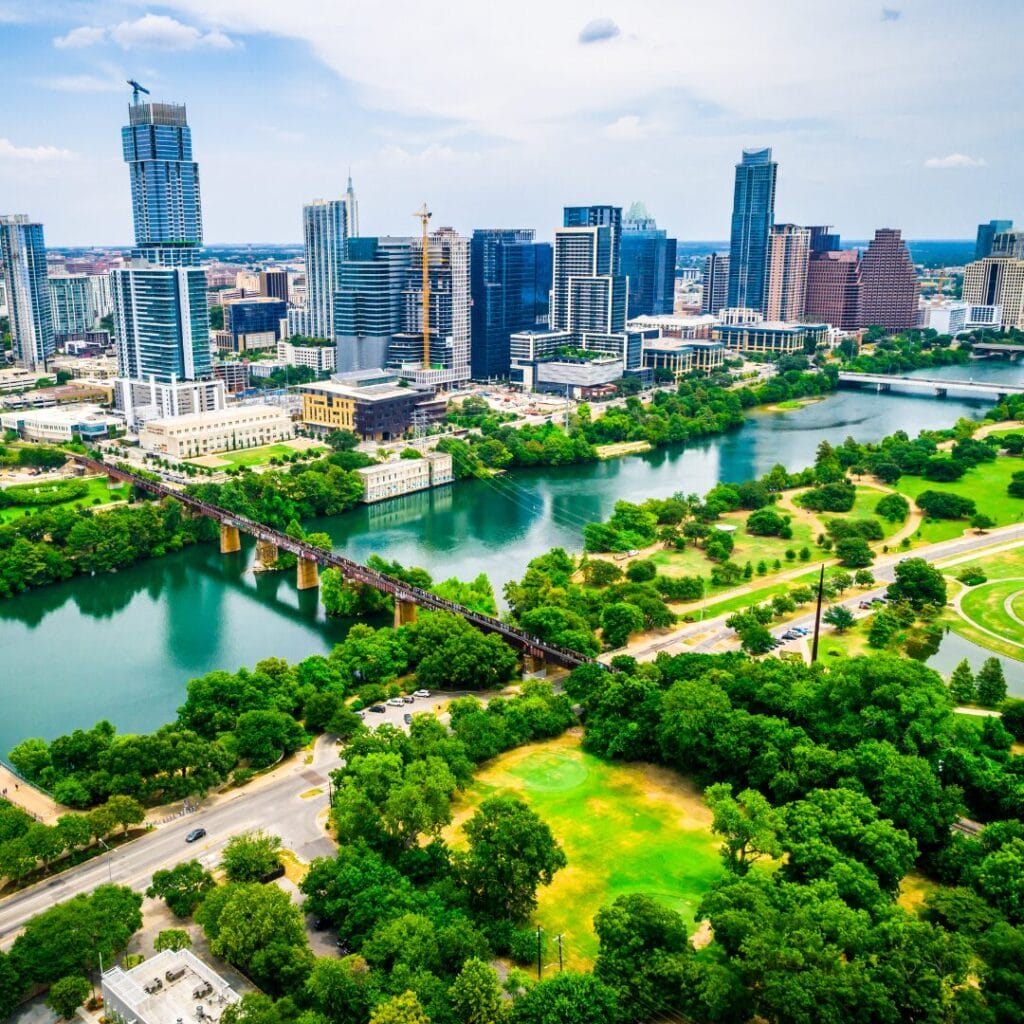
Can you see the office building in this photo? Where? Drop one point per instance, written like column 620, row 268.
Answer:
column 997, row 281
column 77, row 301
column 716, row 283
column 273, row 284
column 986, row 235
column 320, row 358
column 234, row 374
column 372, row 404
column 648, row 261
column 510, row 281
column 254, row 323
column 1009, row 243
column 889, row 285
column 166, row 207
column 369, row 300
column 789, row 247
column 220, row 430
column 772, row 338
column 833, row 289
column 753, row 214
column 945, row 317
column 587, row 248
column 23, row 250
column 823, row 238
column 400, row 476
column 678, row 357
column 58, row 424
column 325, row 233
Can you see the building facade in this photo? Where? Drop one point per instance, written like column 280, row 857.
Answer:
column 889, row 286
column 273, row 284
column 23, row 250
column 715, row 295
column 986, row 235
column 789, row 248
column 381, row 411
column 753, row 214
column 997, row 281
column 833, row 289
column 221, row 430
column 254, row 323
column 648, row 260
column 510, row 282
column 945, row 317
column 318, row 358
column 404, row 476
column 1009, row 243
column 772, row 338
column 325, row 235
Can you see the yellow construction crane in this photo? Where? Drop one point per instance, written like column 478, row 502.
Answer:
column 424, row 216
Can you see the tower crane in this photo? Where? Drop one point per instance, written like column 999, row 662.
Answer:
column 136, row 89
column 424, row 218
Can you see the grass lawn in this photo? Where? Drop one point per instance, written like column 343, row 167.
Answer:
column 985, row 606
column 985, row 485
column 624, row 829
column 257, row 456
column 1000, row 565
column 864, row 508
column 850, row 644
column 98, row 494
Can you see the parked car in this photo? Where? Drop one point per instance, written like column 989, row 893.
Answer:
column 407, row 718
column 378, row 709
column 195, row 835
column 395, row 702
column 865, row 604
column 422, row 693
column 408, row 699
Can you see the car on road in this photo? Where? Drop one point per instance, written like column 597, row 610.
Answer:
column 408, row 699
column 407, row 718
column 195, row 835
column 378, row 709
column 422, row 693
column 395, row 702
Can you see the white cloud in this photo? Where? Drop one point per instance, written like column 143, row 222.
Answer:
column 84, row 35
column 954, row 160
column 598, row 31
column 34, row 154
column 160, row 32
column 628, row 128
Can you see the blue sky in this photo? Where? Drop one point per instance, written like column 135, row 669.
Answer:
column 906, row 115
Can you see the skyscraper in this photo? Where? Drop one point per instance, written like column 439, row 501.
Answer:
column 648, row 263
column 598, row 217
column 325, row 233
column 157, row 146
column 753, row 214
column 833, row 289
column 510, row 280
column 986, row 234
column 368, row 302
column 823, row 238
column 1008, row 243
column 588, row 247
column 351, row 209
column 889, row 285
column 716, row 283
column 997, row 281
column 786, row 290
column 274, row 284
column 72, row 297
column 23, row 249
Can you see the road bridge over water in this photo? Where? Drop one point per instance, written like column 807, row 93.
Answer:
column 933, row 387
column 269, row 542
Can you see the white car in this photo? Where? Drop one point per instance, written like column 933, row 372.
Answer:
column 396, row 702
column 422, row 693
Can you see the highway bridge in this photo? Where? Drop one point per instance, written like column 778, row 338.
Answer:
column 930, row 386
column 269, row 542
column 997, row 348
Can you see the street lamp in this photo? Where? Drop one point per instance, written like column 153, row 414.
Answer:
column 110, row 868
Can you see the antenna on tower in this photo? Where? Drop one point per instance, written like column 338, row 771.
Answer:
column 136, row 89
column 424, row 216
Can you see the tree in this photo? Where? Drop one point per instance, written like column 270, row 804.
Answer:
column 754, row 638
column 991, row 683
column 840, row 617
column 962, row 687
column 511, row 852
column 403, row 1009
column 982, row 522
column 342, row 990
column 67, row 994
column 917, row 583
column 893, row 507
column 748, row 823
column 264, row 736
column 619, row 621
column 181, row 887
column 126, row 811
column 944, row 505
column 475, row 994
column 342, row 440
column 567, row 998
column 251, row 856
column 172, row 938
column 854, row 552
column 864, row 578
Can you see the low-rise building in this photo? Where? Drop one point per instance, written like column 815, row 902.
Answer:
column 380, row 411
column 321, row 357
column 677, row 326
column 235, row 375
column 945, row 317
column 16, row 378
column 142, row 400
column 63, row 394
column 59, row 424
column 404, row 476
column 772, row 338
column 222, row 430
column 88, row 367
column 167, row 988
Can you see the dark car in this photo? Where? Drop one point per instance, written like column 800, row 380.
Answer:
column 378, row 709
column 407, row 718
column 195, row 835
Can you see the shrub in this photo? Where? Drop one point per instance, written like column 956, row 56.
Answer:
column 833, row 497
column 945, row 505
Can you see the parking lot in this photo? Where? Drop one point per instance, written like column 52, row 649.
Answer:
column 394, row 715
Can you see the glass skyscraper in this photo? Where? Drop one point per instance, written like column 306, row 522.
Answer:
column 157, row 146
column 325, row 234
column 753, row 214
column 510, row 278
column 28, row 293
column 649, row 263
column 986, row 235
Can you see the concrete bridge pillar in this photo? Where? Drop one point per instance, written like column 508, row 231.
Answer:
column 405, row 612
column 307, row 574
column 533, row 664
column 266, row 553
column 230, row 542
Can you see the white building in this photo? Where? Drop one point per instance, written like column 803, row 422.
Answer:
column 58, row 424
column 223, row 430
column 319, row 358
column 142, row 400
column 404, row 476
column 945, row 317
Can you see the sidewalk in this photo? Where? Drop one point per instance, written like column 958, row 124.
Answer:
column 23, row 794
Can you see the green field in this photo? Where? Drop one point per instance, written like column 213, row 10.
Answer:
column 624, row 829
column 985, row 605
column 864, row 508
column 985, row 485
column 98, row 489
column 258, row 456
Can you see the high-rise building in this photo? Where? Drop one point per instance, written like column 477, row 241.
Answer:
column 510, row 281
column 274, row 284
column 587, row 247
column 368, row 303
column 823, row 238
column 325, row 233
column 997, row 281
column 833, row 289
column 753, row 214
column 716, row 283
column 23, row 249
column 351, row 209
column 73, row 299
column 889, row 285
column 166, row 209
column 648, row 263
column 1009, row 243
column 788, row 253
column 986, row 234
column 254, row 323
column 609, row 217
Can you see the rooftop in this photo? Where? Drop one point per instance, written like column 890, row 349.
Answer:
column 362, row 392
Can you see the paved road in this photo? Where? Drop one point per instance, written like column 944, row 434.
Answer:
column 718, row 632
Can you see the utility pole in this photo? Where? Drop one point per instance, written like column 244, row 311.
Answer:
column 424, row 216
column 538, row 952
column 817, row 616
column 559, row 938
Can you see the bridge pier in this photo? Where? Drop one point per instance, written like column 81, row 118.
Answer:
column 534, row 664
column 230, row 542
column 266, row 553
column 405, row 612
column 307, row 574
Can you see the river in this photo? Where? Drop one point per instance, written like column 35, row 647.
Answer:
column 123, row 646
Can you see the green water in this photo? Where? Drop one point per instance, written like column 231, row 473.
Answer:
column 123, row 646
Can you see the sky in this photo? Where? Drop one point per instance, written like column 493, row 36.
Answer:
column 498, row 114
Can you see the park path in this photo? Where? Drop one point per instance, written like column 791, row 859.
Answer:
column 23, row 794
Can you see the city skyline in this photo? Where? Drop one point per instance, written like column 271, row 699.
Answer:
column 489, row 140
